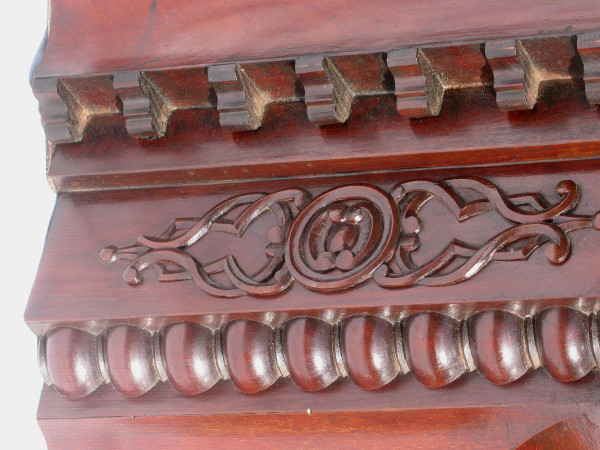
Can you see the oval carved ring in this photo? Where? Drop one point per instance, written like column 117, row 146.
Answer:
column 342, row 236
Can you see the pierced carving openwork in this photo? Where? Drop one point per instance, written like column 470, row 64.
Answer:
column 352, row 233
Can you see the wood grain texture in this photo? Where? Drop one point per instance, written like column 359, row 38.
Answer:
column 335, row 89
column 135, row 105
column 470, row 131
column 135, row 33
column 247, row 93
column 188, row 351
column 450, row 428
column 349, row 234
column 309, row 351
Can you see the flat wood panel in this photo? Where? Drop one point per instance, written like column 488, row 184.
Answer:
column 452, row 429
column 120, row 34
column 404, row 393
column 402, row 414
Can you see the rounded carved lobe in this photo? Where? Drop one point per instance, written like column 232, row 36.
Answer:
column 71, row 361
column 129, row 356
column 563, row 341
column 342, row 237
column 498, row 345
column 188, row 352
column 369, row 352
column 249, row 353
column 308, row 349
column 432, row 348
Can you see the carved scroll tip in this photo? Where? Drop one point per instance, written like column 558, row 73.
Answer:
column 557, row 254
column 132, row 276
column 109, row 254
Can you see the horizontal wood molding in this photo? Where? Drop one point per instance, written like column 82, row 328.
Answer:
column 518, row 67
column 261, row 263
column 356, row 232
column 371, row 351
column 498, row 427
column 83, row 39
column 150, row 119
column 320, row 224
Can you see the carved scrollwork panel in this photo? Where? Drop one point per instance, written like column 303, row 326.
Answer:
column 352, row 233
column 536, row 224
column 167, row 255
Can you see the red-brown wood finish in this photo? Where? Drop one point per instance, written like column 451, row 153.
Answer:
column 249, row 352
column 432, row 348
column 71, row 361
column 320, row 224
column 121, row 35
column 497, row 345
column 128, row 355
column 308, row 348
column 188, row 355
column 564, row 343
column 369, row 354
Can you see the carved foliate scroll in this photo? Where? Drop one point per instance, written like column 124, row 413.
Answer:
column 352, row 233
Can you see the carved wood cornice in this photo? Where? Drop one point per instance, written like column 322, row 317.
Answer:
column 431, row 105
column 369, row 350
column 420, row 77
column 357, row 212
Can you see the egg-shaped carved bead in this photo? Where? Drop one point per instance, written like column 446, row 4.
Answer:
column 129, row 356
column 309, row 352
column 249, row 351
column 498, row 345
column 563, row 342
column 188, row 354
column 71, row 361
column 368, row 348
column 431, row 341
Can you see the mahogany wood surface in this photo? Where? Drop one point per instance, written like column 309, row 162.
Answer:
column 311, row 224
column 74, row 284
column 435, row 348
column 404, row 413
column 150, row 34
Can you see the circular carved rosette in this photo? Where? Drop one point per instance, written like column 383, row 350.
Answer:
column 342, row 236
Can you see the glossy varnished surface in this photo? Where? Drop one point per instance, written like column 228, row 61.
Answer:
column 152, row 34
column 94, row 221
column 471, row 130
column 513, row 413
column 188, row 355
column 308, row 347
column 370, row 350
column 128, row 352
column 249, row 349
column 497, row 339
column 369, row 353
column 327, row 224
column 564, row 346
